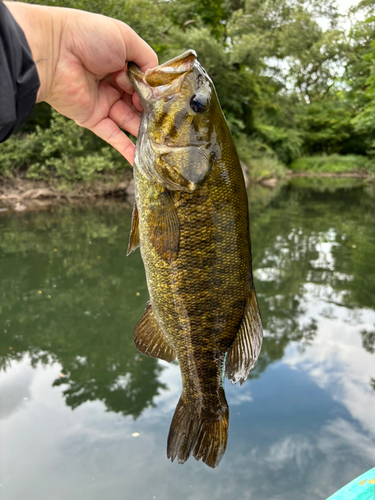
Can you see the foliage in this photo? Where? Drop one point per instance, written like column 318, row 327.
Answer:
column 364, row 121
column 259, row 158
column 291, row 76
column 326, row 127
column 62, row 151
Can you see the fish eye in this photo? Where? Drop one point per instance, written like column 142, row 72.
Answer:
column 199, row 102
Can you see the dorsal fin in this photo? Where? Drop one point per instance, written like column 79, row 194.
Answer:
column 149, row 338
column 245, row 349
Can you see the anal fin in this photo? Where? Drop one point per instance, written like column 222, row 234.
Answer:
column 149, row 338
column 245, row 349
column 134, row 231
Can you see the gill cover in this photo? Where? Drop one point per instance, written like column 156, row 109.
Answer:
column 177, row 141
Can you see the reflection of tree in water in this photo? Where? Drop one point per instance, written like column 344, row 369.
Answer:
column 321, row 238
column 368, row 340
column 125, row 381
column 77, row 257
column 126, row 389
column 368, row 343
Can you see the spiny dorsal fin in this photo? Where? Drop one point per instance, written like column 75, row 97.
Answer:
column 164, row 227
column 149, row 339
column 245, row 349
column 134, row 231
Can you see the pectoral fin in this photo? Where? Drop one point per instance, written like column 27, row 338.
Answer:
column 164, row 227
column 245, row 350
column 149, row 339
column 134, row 231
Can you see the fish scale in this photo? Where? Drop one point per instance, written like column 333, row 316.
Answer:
column 191, row 223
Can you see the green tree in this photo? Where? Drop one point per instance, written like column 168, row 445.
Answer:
column 291, row 78
column 360, row 72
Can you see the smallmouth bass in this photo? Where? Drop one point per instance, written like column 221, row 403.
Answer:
column 190, row 220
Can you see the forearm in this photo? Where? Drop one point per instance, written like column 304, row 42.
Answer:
column 42, row 29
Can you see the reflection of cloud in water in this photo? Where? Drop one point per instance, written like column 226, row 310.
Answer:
column 267, row 274
column 92, row 451
column 325, row 259
column 339, row 431
column 167, row 400
column 121, row 382
column 331, row 442
column 238, row 398
column 326, row 293
column 15, row 387
column 336, row 360
column 298, row 449
column 314, row 466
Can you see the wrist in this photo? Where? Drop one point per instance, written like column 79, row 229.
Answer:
column 42, row 30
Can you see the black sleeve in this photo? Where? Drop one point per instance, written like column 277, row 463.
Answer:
column 19, row 81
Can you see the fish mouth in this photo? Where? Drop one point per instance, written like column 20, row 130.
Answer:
column 166, row 74
column 165, row 148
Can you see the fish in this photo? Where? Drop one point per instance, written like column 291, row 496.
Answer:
column 190, row 221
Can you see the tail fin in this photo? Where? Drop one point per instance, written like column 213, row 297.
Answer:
column 189, row 434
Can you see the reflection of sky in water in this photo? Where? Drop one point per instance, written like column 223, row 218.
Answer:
column 299, row 430
column 295, row 432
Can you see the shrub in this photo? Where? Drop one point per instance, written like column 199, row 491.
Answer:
column 64, row 152
column 259, row 158
column 334, row 164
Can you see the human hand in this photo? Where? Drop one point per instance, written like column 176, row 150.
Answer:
column 81, row 61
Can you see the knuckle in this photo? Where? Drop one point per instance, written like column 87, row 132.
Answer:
column 129, row 116
column 114, row 135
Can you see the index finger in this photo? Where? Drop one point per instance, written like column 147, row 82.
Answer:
column 137, row 50
column 107, row 130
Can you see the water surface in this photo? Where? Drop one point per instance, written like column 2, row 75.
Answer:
column 83, row 415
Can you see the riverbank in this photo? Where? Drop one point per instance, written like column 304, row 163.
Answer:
column 19, row 193
column 325, row 166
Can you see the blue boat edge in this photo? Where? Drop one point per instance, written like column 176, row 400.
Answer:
column 361, row 488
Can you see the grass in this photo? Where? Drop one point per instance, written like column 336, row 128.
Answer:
column 326, row 184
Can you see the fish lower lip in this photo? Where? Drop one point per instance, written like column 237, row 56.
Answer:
column 187, row 145
column 135, row 75
column 133, row 68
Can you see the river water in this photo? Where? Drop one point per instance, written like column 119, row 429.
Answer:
column 83, row 415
